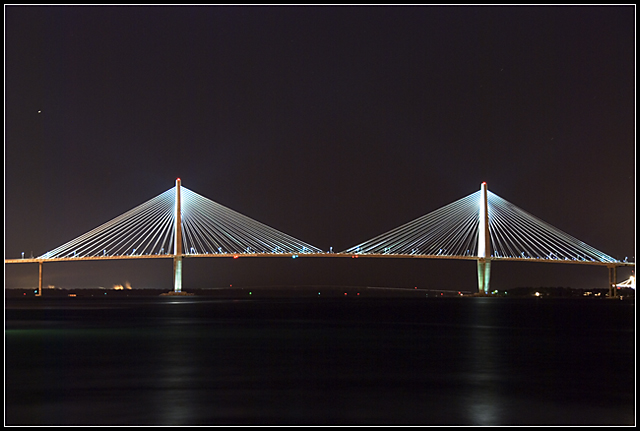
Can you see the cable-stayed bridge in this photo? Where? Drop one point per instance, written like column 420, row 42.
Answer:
column 180, row 223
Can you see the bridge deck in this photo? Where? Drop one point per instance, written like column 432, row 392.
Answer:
column 330, row 255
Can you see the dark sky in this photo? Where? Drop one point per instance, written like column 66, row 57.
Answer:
column 332, row 124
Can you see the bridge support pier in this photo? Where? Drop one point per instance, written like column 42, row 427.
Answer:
column 484, row 274
column 177, row 274
column 613, row 276
column 40, row 278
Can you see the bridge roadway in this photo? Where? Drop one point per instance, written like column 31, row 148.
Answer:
column 291, row 255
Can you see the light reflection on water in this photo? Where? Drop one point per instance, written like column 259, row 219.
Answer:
column 175, row 400
column 484, row 403
column 461, row 361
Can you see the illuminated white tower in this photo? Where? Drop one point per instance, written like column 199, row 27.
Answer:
column 484, row 242
column 177, row 243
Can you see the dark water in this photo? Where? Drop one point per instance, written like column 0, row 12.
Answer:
column 195, row 360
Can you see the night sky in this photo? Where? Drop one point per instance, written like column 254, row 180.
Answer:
column 332, row 124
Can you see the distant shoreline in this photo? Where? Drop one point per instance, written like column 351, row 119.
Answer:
column 320, row 291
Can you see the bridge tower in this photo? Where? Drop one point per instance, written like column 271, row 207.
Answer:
column 177, row 243
column 484, row 243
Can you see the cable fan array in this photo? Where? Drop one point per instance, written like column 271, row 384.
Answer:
column 448, row 231
column 453, row 231
column 517, row 234
column 143, row 230
column 207, row 228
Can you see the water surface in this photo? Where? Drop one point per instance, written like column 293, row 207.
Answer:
column 204, row 361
